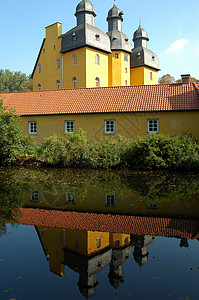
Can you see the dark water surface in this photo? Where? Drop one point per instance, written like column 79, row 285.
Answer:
column 76, row 234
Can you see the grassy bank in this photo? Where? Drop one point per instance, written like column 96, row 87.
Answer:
column 152, row 152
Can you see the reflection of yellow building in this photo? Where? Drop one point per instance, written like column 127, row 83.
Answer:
column 86, row 57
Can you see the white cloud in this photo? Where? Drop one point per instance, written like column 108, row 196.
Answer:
column 176, row 46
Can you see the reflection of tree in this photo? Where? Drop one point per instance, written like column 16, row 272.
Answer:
column 11, row 195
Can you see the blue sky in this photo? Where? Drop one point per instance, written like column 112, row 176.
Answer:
column 172, row 27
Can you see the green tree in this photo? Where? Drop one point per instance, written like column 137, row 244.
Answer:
column 11, row 138
column 14, row 81
column 166, row 79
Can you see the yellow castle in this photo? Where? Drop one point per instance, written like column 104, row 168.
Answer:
column 86, row 57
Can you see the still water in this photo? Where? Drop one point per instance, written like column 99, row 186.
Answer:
column 76, row 234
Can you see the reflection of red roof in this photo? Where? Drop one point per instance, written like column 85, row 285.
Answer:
column 167, row 227
column 168, row 97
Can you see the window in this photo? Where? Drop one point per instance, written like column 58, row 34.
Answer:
column 58, row 64
column 69, row 127
column 58, row 84
column 152, row 205
column 39, row 86
column 74, row 79
column 110, row 200
column 97, row 59
column 39, row 68
column 97, row 82
column 74, row 59
column 74, row 37
column 97, row 37
column 126, row 57
column 151, row 76
column 34, row 197
column 32, row 127
column 126, row 240
column 98, row 242
column 116, row 56
column 126, row 70
column 70, row 197
column 152, row 126
column 109, row 126
column 125, row 83
column 76, row 243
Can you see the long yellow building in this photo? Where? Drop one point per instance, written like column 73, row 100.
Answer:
column 86, row 57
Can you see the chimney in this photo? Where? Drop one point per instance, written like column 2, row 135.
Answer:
column 185, row 79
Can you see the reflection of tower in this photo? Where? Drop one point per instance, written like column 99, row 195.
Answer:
column 87, row 267
column 120, row 253
column 140, row 244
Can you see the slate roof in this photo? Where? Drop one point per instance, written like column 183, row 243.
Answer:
column 168, row 227
column 168, row 97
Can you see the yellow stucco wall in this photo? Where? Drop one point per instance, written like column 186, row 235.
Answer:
column 141, row 76
column 117, row 74
column 48, row 56
column 127, row 124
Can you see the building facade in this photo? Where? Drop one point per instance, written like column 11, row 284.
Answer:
column 86, row 57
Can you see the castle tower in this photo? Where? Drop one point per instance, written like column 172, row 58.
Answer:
column 144, row 63
column 85, row 13
column 119, row 58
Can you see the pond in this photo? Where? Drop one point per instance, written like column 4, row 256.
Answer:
column 76, row 234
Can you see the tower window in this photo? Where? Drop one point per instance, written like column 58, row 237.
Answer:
column 74, row 37
column 58, row 84
column 34, row 197
column 74, row 79
column 110, row 200
column 74, row 59
column 151, row 76
column 125, row 83
column 58, row 63
column 39, row 68
column 126, row 57
column 97, row 82
column 153, row 58
column 116, row 56
column 126, row 70
column 39, row 86
column 97, row 59
column 54, row 47
column 70, row 197
column 98, row 242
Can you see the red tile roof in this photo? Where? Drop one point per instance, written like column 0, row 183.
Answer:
column 168, row 97
column 136, row 225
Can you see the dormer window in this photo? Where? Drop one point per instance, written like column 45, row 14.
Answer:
column 153, row 58
column 97, row 37
column 139, row 54
column 126, row 41
column 74, row 37
column 114, row 38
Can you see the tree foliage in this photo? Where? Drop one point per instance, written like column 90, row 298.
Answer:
column 14, row 81
column 168, row 79
column 12, row 141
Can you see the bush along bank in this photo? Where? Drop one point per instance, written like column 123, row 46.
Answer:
column 155, row 151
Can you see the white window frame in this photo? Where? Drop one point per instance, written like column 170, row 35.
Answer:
column 32, row 127
column 97, row 59
column 58, row 61
column 70, row 198
column 74, row 79
column 126, row 58
column 109, row 126
column 110, row 200
column 153, row 126
column 34, row 197
column 74, row 59
column 97, row 82
column 69, row 124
